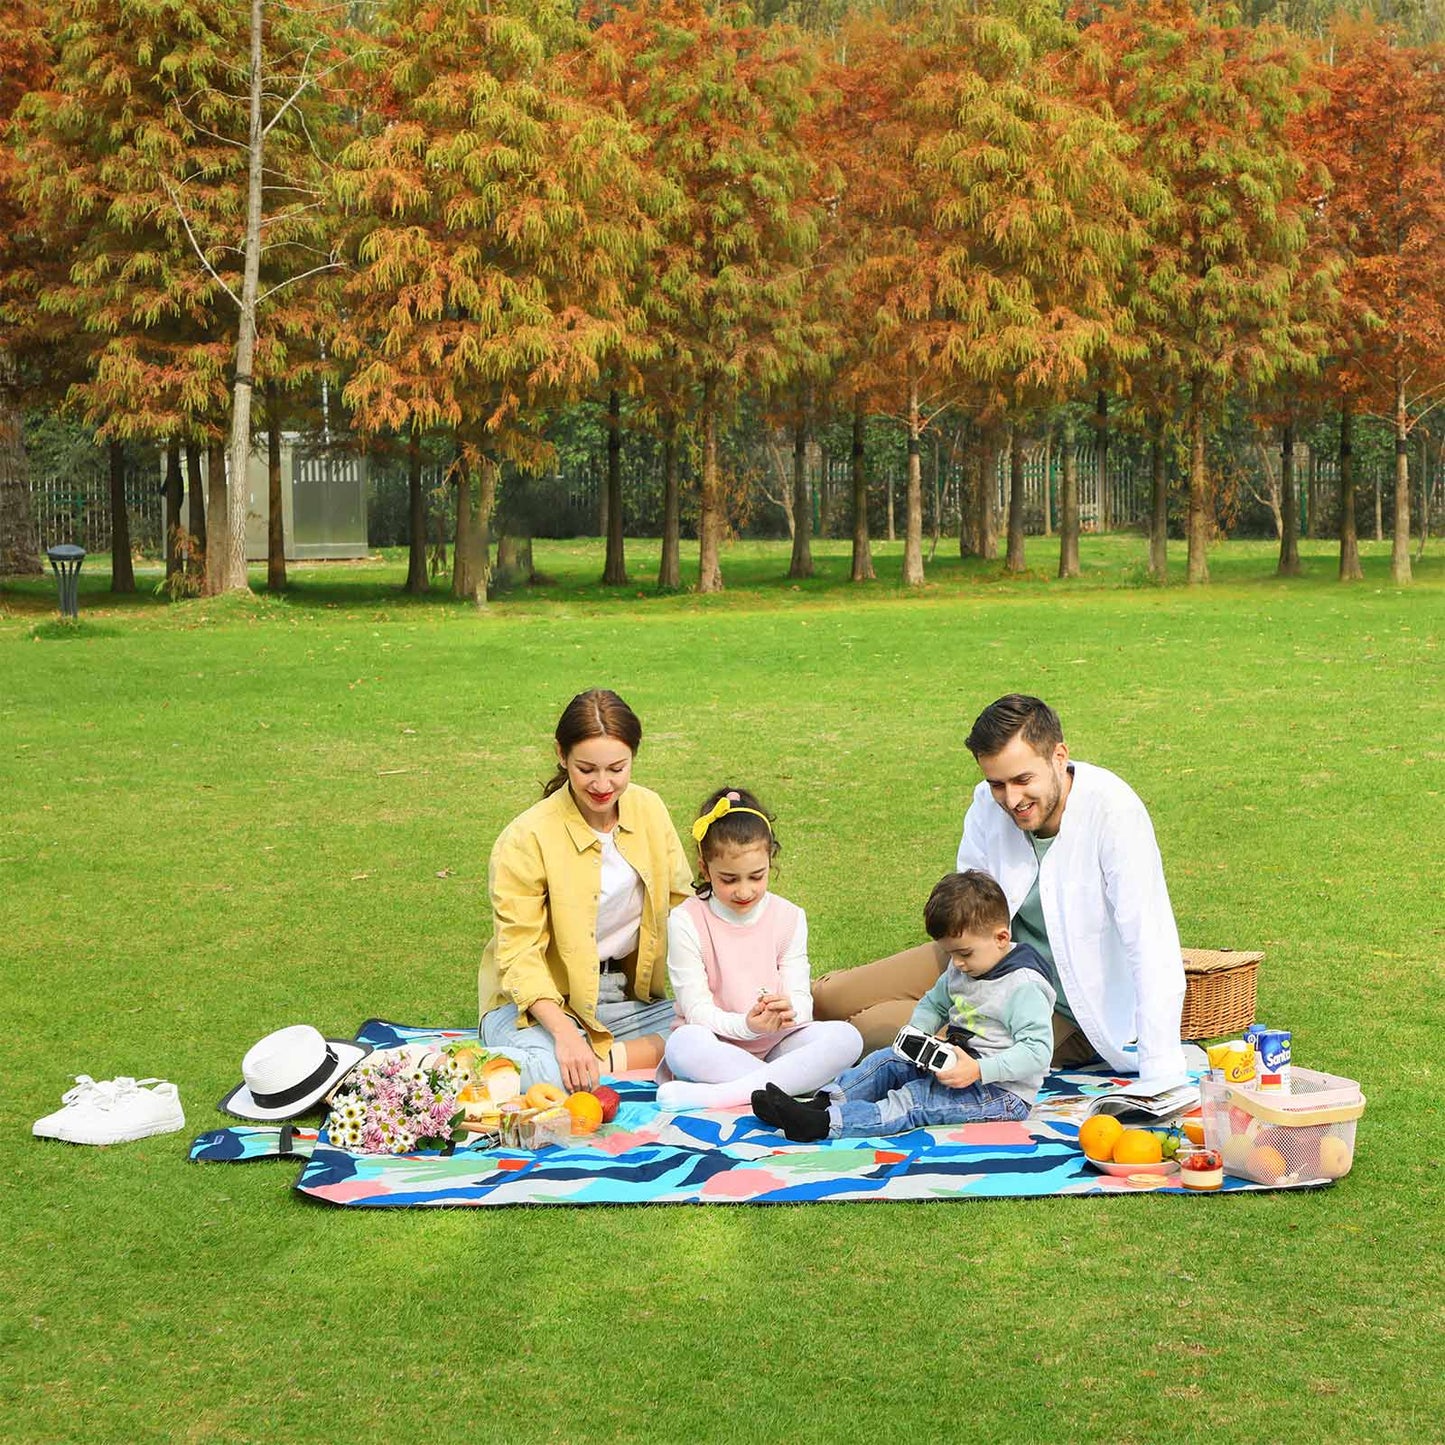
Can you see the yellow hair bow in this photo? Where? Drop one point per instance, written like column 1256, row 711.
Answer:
column 724, row 805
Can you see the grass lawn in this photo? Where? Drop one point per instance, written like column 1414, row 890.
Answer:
column 219, row 817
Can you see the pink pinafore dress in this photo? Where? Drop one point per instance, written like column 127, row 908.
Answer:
column 742, row 959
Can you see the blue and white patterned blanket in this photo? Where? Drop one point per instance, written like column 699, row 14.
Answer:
column 646, row 1156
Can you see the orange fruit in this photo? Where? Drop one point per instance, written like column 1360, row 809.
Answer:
column 586, row 1112
column 1194, row 1130
column 1138, row 1146
column 1267, row 1164
column 1098, row 1135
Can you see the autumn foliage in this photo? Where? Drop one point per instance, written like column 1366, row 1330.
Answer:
column 478, row 214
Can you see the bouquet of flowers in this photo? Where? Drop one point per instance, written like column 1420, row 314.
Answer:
column 397, row 1101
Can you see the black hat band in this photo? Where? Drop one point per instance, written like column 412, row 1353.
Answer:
column 282, row 1097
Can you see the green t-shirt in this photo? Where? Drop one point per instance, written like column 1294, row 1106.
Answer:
column 1028, row 927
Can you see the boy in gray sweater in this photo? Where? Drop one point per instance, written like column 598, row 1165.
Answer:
column 998, row 1004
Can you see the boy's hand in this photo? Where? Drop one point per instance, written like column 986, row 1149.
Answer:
column 961, row 1073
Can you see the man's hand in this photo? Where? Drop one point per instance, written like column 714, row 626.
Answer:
column 962, row 1072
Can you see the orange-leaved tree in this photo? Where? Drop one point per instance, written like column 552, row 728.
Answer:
column 1208, row 105
column 719, row 101
column 1381, row 133
column 24, row 66
column 999, row 212
column 497, row 214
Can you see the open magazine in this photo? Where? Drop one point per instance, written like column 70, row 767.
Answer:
column 1143, row 1103
column 1146, row 1103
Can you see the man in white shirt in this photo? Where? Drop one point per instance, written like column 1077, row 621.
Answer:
column 1074, row 850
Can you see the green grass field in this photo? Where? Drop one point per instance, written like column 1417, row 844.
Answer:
column 223, row 816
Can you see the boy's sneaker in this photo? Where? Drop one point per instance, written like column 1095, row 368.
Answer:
column 113, row 1111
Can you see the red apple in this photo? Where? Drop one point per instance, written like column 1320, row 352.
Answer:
column 610, row 1100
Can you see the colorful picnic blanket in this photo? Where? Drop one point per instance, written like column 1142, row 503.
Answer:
column 646, row 1156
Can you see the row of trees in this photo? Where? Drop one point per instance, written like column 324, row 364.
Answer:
column 459, row 217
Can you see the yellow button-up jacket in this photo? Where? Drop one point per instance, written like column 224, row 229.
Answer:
column 544, row 878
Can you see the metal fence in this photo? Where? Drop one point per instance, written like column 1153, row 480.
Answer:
column 77, row 509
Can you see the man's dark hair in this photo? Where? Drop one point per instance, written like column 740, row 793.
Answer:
column 970, row 902
column 1017, row 713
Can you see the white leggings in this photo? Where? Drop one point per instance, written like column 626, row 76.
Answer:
column 711, row 1073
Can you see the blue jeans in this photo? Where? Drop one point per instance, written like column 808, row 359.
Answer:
column 884, row 1094
column 532, row 1047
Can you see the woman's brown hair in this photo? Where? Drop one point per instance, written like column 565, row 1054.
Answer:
column 596, row 713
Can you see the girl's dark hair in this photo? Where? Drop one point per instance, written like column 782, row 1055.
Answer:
column 734, row 829
column 596, row 713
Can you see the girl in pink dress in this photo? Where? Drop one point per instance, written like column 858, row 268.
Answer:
column 737, row 956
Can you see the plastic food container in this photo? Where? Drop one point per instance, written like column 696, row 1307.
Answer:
column 1274, row 1138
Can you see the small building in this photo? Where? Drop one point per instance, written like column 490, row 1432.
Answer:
column 323, row 502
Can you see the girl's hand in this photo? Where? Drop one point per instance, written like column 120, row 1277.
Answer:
column 579, row 1065
column 962, row 1072
column 763, row 1016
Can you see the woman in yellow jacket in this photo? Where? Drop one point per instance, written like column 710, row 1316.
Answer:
column 581, row 885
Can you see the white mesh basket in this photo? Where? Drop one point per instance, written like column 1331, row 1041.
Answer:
column 1276, row 1138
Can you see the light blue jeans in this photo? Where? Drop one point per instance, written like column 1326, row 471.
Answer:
column 531, row 1047
column 884, row 1094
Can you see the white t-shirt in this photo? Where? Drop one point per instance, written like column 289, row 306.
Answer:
column 619, row 904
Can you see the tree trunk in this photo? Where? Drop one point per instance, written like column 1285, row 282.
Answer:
column 19, row 546
column 710, row 500
column 801, row 566
column 173, row 494
column 464, row 570
column 888, row 485
column 1101, row 415
column 862, row 570
column 669, row 571
column 418, row 584
column 1400, row 573
column 275, row 511
column 1159, row 509
column 1014, row 560
column 196, row 491
column 218, row 522
column 122, row 571
column 988, row 497
column 1289, row 565
column 1379, row 510
column 1350, row 569
column 614, row 569
column 1200, row 502
column 913, row 511
column 1069, row 504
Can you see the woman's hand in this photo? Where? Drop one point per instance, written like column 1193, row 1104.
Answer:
column 962, row 1072
column 580, row 1066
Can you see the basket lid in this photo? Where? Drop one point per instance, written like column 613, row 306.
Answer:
column 1212, row 960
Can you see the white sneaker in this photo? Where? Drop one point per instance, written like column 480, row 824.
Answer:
column 113, row 1112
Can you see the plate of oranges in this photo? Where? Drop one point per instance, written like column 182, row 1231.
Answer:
column 1113, row 1149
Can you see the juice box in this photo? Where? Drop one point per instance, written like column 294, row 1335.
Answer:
column 1232, row 1062
column 1273, row 1051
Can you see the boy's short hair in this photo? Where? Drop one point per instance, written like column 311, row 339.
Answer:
column 1014, row 714
column 960, row 903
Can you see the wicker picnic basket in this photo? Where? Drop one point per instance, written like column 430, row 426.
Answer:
column 1219, row 990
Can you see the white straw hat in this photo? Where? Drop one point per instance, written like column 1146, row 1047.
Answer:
column 287, row 1072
